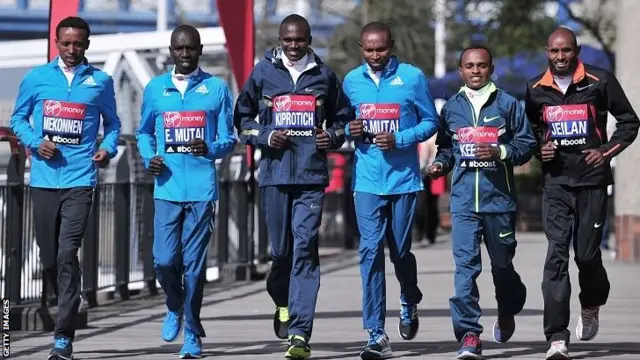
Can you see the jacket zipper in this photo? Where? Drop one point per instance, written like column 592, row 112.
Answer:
column 477, row 181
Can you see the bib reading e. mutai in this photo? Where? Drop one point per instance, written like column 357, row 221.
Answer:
column 180, row 127
column 62, row 121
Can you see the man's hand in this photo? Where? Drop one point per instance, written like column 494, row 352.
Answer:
column 323, row 140
column 594, row 157
column 101, row 158
column 548, row 151
column 198, row 147
column 356, row 127
column 279, row 139
column 47, row 149
column 484, row 151
column 434, row 171
column 385, row 141
column 156, row 165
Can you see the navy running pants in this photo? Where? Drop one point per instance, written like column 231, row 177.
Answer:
column 293, row 215
column 181, row 236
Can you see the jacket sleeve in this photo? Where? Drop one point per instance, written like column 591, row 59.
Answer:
column 225, row 139
column 523, row 144
column 145, row 135
column 339, row 111
column 444, row 142
column 535, row 120
column 427, row 124
column 250, row 131
column 110, row 120
column 23, row 110
column 627, row 120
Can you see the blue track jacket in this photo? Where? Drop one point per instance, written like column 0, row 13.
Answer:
column 401, row 104
column 169, row 122
column 68, row 115
column 315, row 101
column 487, row 185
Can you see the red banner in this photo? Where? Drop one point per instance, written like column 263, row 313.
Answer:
column 58, row 10
column 236, row 17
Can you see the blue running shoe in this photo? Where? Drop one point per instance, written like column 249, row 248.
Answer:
column 409, row 322
column 192, row 348
column 62, row 349
column 171, row 326
column 471, row 348
column 378, row 347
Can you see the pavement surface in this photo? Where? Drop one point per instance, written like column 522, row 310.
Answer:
column 238, row 317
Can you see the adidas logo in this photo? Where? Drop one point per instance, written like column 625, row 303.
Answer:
column 397, row 81
column 166, row 93
column 202, row 89
column 89, row 81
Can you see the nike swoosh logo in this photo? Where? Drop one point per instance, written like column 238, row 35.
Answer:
column 578, row 88
column 505, row 234
column 486, row 119
column 596, row 225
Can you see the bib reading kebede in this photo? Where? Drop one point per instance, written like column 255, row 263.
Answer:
column 62, row 122
column 379, row 118
column 180, row 127
column 295, row 114
column 568, row 124
column 468, row 137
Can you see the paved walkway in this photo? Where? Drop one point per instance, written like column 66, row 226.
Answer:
column 239, row 319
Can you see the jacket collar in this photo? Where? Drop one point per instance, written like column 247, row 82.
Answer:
column 80, row 68
column 578, row 75
column 194, row 78
column 390, row 68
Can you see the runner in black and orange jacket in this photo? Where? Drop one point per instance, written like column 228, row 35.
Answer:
column 568, row 107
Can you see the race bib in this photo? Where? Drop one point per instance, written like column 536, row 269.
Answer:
column 295, row 113
column 468, row 137
column 62, row 122
column 180, row 127
column 379, row 118
column 568, row 124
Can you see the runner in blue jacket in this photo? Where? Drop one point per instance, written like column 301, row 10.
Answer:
column 395, row 112
column 301, row 112
column 186, row 124
column 484, row 133
column 65, row 99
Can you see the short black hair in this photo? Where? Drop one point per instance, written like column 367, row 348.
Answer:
column 298, row 20
column 75, row 23
column 376, row 26
column 186, row 28
column 476, row 47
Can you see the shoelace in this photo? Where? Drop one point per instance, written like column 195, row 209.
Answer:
column 408, row 312
column 589, row 314
column 61, row 343
column 557, row 345
column 470, row 341
column 283, row 314
column 191, row 339
column 377, row 339
column 174, row 318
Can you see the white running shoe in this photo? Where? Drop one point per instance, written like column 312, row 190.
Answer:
column 558, row 351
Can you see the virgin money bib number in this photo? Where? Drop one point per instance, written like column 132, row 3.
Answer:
column 295, row 114
column 379, row 118
column 469, row 137
column 180, row 128
column 568, row 124
column 62, row 122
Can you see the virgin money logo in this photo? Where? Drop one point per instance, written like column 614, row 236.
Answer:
column 477, row 135
column 282, row 103
column 555, row 113
column 368, row 111
column 52, row 108
column 172, row 119
column 466, row 135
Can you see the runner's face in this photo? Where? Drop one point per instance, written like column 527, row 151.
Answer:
column 376, row 49
column 562, row 54
column 294, row 40
column 185, row 52
column 72, row 44
column 476, row 68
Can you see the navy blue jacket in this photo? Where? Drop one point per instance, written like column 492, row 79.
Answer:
column 484, row 186
column 315, row 101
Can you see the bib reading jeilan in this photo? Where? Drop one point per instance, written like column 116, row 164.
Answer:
column 180, row 127
column 62, row 122
column 295, row 113
column 468, row 137
column 379, row 118
column 568, row 124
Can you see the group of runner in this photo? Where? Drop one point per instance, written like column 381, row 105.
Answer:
column 294, row 108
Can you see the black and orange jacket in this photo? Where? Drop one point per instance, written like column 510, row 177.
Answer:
column 577, row 120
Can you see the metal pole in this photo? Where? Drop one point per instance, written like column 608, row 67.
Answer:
column 440, row 44
column 162, row 15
